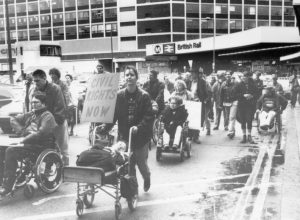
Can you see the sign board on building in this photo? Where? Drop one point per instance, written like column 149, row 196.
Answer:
column 158, row 49
column 101, row 96
column 185, row 47
column 169, row 48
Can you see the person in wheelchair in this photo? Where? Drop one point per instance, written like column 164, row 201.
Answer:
column 270, row 105
column 173, row 118
column 36, row 128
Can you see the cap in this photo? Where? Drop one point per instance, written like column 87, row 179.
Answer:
column 154, row 72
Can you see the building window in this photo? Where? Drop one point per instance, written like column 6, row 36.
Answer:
column 58, row 19
column 123, row 9
column 192, row 25
column 178, row 25
column 70, row 5
column 111, row 14
column 13, row 36
column 58, row 33
column 11, row 10
column 84, row 31
column 192, row 10
column 192, row 36
column 110, row 3
column 153, row 11
column 263, row 12
column 289, row 13
column 249, row 10
column 71, row 32
column 1, row 12
column 128, row 38
column 46, row 34
column 33, row 8
column 22, row 36
column 111, row 30
column 50, row 50
column 21, row 9
column 97, row 15
column 82, row 4
column 45, row 21
column 235, row 26
column 207, row 9
column 249, row 24
column 276, row 23
column 2, row 37
column 44, row 7
column 12, row 23
column 276, row 13
column 129, row 23
column 96, row 3
column 97, row 30
column 144, row 40
column 2, row 25
column 157, row 26
column 34, row 34
column 178, row 10
column 70, row 18
column 222, row 26
column 289, row 24
column 22, row 23
column 262, row 23
column 83, row 17
column 33, row 21
column 57, row 5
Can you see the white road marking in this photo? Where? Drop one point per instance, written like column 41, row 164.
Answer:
column 199, row 181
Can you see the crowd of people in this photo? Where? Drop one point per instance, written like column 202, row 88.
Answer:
column 236, row 97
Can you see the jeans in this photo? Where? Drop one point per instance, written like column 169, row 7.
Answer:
column 218, row 115
column 226, row 115
column 177, row 136
column 62, row 140
column 232, row 116
column 139, row 158
column 295, row 93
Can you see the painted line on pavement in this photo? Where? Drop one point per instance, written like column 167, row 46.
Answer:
column 39, row 202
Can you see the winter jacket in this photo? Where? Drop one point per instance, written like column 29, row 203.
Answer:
column 55, row 102
column 202, row 90
column 243, row 88
column 173, row 118
column 216, row 90
column 143, row 117
column 153, row 88
column 37, row 128
column 227, row 93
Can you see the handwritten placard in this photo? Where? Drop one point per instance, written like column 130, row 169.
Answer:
column 100, row 100
column 194, row 110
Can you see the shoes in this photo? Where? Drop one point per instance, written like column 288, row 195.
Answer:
column 4, row 192
column 231, row 135
column 147, row 184
column 226, row 129
column 215, row 128
column 208, row 132
column 71, row 133
column 264, row 127
column 250, row 140
column 175, row 146
column 244, row 140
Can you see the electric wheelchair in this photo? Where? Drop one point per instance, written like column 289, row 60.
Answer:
column 34, row 171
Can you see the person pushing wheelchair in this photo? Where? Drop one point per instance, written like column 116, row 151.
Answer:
column 36, row 128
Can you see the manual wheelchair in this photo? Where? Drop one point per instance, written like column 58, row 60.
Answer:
column 43, row 171
column 185, row 144
column 275, row 124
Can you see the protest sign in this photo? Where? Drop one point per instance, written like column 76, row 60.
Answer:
column 194, row 110
column 100, row 99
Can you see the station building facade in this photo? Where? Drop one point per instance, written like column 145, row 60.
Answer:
column 119, row 30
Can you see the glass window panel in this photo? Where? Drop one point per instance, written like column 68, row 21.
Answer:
column 98, row 30
column 250, row 10
column 153, row 11
column 178, row 25
column 192, row 10
column 71, row 16
column 276, row 23
column 82, row 3
column 288, row 11
column 22, row 35
column 192, row 25
column 178, row 10
column 13, row 35
column 263, row 10
column 207, row 9
column 33, row 20
column 235, row 25
column 262, row 23
column 71, row 32
column 58, row 18
column 97, row 15
column 84, row 31
column 222, row 24
column 45, row 19
column 222, row 9
column 249, row 24
column 1, row 12
column 58, row 33
column 44, row 6
column 2, row 21
column 11, row 10
column 34, row 34
column 97, row 3
column 33, row 7
column 289, row 24
column 235, row 9
column 276, row 11
column 22, row 22
column 111, row 14
column 58, row 4
column 21, row 8
column 2, row 36
column 109, row 3
column 46, row 34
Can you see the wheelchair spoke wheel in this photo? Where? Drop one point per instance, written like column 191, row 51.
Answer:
column 89, row 196
column 79, row 207
column 49, row 171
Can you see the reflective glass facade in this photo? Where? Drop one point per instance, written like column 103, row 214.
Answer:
column 153, row 20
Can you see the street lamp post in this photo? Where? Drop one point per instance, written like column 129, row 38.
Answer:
column 214, row 40
column 111, row 49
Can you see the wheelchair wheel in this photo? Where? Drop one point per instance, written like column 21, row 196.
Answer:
column 88, row 197
column 188, row 148
column 132, row 203
column 155, row 131
column 118, row 210
column 29, row 191
column 48, row 171
column 24, row 172
column 79, row 207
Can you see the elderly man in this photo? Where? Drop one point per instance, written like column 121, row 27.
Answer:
column 134, row 109
column 37, row 129
column 56, row 104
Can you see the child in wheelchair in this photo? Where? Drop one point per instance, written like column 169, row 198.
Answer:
column 173, row 118
column 270, row 106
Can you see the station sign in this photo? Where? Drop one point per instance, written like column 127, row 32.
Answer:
column 158, row 49
column 169, row 48
column 4, row 52
column 186, row 47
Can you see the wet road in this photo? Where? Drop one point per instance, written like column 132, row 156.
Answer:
column 223, row 179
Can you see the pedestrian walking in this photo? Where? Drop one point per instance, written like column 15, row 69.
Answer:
column 295, row 89
column 134, row 109
column 216, row 89
column 55, row 103
column 71, row 109
column 247, row 93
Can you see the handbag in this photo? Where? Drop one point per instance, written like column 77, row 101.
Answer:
column 129, row 186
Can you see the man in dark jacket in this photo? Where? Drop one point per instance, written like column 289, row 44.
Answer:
column 133, row 109
column 37, row 129
column 56, row 104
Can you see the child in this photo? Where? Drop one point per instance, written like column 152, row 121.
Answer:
column 173, row 118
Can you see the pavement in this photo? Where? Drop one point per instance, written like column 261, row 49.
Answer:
column 290, row 202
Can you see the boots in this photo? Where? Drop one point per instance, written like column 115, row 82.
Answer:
column 250, row 140
column 244, row 140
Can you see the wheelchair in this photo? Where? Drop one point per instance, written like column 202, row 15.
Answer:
column 92, row 179
column 185, row 144
column 43, row 171
column 275, row 125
